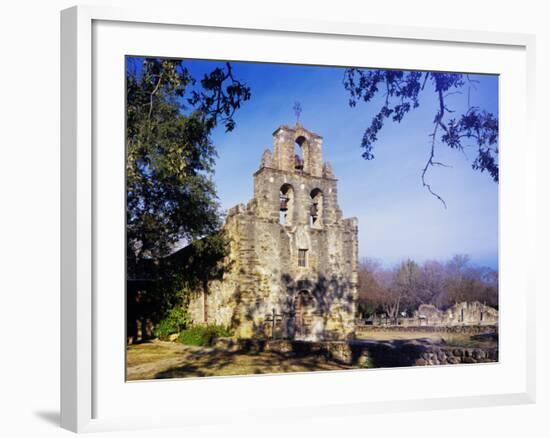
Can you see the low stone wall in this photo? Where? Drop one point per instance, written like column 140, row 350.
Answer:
column 464, row 313
column 450, row 355
column 375, row 354
column 364, row 330
column 379, row 354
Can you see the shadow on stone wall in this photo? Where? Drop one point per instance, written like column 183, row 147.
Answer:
column 326, row 291
column 333, row 300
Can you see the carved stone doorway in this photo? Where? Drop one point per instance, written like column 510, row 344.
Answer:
column 304, row 308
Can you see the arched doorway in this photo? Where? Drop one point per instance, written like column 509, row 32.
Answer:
column 304, row 308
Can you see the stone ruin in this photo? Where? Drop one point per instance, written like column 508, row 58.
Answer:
column 293, row 258
column 460, row 314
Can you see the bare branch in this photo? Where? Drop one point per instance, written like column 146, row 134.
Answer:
column 431, row 162
column 425, row 80
column 472, row 81
column 429, row 188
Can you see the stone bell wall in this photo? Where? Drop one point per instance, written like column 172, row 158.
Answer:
column 257, row 296
column 266, row 292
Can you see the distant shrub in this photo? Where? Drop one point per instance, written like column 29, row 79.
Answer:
column 176, row 321
column 203, row 334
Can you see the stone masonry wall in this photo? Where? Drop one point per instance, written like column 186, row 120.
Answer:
column 266, row 292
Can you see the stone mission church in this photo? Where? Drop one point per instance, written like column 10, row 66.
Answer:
column 293, row 257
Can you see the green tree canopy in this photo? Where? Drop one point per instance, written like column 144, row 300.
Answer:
column 170, row 155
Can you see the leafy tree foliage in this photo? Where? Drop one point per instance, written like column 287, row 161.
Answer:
column 170, row 155
column 401, row 92
column 175, row 321
column 171, row 197
column 192, row 267
column 158, row 291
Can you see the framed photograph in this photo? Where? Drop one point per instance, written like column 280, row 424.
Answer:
column 280, row 218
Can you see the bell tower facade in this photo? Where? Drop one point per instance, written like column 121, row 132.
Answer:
column 307, row 194
column 293, row 256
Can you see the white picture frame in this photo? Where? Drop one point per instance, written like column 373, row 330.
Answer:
column 81, row 366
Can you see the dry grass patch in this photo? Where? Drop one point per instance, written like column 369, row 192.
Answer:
column 164, row 360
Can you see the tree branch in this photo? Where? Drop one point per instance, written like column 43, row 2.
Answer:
column 151, row 97
column 429, row 163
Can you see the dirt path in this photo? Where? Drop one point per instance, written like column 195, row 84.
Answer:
column 453, row 339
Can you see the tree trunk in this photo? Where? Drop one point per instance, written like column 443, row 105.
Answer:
column 205, row 300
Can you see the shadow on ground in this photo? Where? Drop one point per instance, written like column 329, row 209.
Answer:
column 225, row 363
column 51, row 417
column 165, row 360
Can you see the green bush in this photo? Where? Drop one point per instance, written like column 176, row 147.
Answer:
column 175, row 322
column 203, row 334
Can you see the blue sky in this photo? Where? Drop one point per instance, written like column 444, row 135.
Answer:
column 397, row 217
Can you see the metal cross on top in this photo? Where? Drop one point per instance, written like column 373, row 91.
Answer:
column 297, row 110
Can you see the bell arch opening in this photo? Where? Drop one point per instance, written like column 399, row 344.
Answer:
column 300, row 154
column 316, row 208
column 286, row 204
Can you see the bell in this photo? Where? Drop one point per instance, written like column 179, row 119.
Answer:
column 313, row 210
